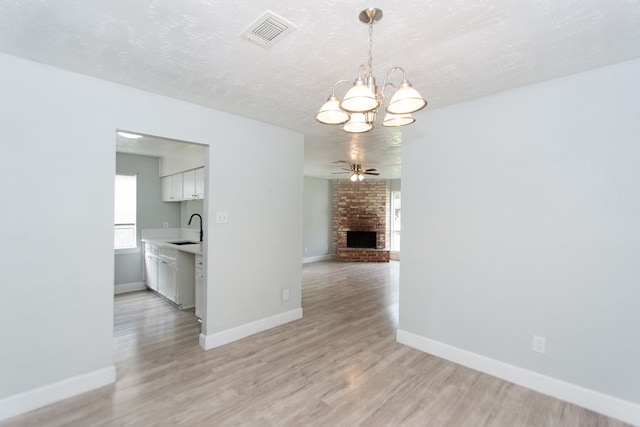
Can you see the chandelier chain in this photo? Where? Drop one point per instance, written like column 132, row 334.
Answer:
column 370, row 47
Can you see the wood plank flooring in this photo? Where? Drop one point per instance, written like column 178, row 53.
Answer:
column 338, row 366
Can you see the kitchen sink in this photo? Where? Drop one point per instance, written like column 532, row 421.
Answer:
column 184, row 242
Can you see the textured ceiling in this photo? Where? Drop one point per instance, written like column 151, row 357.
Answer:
column 192, row 50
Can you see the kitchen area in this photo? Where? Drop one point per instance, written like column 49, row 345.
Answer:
column 168, row 255
column 174, row 267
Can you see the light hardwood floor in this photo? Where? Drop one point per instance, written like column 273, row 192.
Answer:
column 339, row 365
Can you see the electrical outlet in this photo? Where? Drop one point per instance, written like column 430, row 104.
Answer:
column 539, row 344
column 165, row 225
column 285, row 295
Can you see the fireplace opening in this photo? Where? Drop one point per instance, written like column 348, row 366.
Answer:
column 361, row 239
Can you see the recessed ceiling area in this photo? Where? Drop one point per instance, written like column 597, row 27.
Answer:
column 451, row 51
column 148, row 145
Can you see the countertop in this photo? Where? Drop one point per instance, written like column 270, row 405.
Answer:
column 195, row 248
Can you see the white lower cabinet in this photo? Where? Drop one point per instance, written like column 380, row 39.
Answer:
column 168, row 278
column 200, row 293
column 151, row 266
column 170, row 273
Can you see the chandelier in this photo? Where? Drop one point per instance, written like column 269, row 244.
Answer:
column 358, row 109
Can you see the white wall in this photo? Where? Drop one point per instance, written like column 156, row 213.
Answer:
column 189, row 207
column 256, row 254
column 521, row 216
column 317, row 218
column 58, row 263
column 192, row 156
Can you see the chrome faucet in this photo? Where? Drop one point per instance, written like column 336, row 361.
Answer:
column 198, row 215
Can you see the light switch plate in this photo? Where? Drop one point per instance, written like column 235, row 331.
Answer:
column 221, row 217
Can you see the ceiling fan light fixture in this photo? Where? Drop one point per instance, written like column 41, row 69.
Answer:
column 331, row 114
column 356, row 171
column 396, row 120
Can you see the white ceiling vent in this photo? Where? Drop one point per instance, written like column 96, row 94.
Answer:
column 268, row 29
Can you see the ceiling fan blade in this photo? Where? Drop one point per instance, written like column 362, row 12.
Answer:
column 355, row 168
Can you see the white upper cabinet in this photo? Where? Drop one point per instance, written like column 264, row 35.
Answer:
column 187, row 185
column 182, row 174
column 177, row 187
column 200, row 183
column 172, row 188
column 167, row 188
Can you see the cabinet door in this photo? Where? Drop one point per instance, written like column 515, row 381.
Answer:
column 167, row 279
column 199, row 183
column 167, row 188
column 177, row 187
column 189, row 185
column 151, row 271
column 199, row 287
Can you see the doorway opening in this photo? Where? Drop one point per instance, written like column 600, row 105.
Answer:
column 170, row 189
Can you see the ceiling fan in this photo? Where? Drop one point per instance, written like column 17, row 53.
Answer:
column 356, row 170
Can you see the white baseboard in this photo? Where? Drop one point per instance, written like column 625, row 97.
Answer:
column 307, row 260
column 207, row 342
column 129, row 287
column 42, row 396
column 599, row 402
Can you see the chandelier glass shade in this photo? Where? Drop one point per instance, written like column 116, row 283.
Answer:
column 331, row 114
column 359, row 99
column 360, row 122
column 395, row 120
column 358, row 109
column 406, row 100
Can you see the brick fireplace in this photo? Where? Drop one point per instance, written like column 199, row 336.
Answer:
column 361, row 206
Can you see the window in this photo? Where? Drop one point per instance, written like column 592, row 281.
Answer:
column 125, row 212
column 395, row 221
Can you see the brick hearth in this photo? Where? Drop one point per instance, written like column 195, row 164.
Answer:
column 360, row 206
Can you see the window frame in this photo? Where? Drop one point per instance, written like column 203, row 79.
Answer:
column 395, row 241
column 133, row 247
